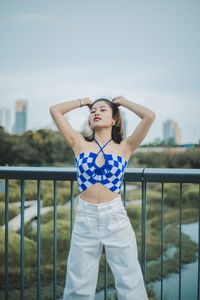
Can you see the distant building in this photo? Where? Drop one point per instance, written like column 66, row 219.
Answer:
column 171, row 130
column 5, row 119
column 20, row 125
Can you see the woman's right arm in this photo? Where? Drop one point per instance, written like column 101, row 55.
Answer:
column 57, row 111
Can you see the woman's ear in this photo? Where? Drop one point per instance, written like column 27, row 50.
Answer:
column 113, row 122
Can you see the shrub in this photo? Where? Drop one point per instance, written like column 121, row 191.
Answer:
column 30, row 249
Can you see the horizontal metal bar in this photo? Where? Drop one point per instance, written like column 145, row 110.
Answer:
column 133, row 174
column 172, row 175
column 130, row 175
column 43, row 173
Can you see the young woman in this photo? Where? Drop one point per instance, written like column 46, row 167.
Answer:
column 101, row 218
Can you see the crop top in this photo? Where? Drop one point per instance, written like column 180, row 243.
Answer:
column 110, row 174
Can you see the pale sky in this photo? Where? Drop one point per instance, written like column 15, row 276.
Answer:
column 146, row 51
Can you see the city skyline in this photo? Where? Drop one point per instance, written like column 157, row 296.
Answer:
column 147, row 52
column 170, row 128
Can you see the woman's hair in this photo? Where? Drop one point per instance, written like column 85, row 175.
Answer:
column 117, row 129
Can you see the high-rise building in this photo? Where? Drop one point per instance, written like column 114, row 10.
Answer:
column 5, row 119
column 20, row 125
column 171, row 130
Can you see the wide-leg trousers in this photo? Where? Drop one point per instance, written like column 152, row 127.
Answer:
column 96, row 225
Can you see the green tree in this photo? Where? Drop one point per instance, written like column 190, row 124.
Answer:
column 34, row 147
column 171, row 141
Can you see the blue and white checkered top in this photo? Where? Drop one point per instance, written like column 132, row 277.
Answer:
column 110, row 174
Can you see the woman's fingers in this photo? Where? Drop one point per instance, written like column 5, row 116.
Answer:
column 116, row 100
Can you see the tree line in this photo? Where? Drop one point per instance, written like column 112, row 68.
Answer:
column 46, row 146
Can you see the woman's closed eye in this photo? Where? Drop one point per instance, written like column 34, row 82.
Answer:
column 101, row 110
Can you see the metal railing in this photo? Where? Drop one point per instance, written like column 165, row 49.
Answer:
column 143, row 175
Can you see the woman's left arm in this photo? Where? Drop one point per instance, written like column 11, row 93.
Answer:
column 147, row 116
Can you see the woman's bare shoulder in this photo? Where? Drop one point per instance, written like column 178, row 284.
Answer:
column 81, row 146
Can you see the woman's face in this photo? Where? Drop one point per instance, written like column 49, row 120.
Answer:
column 103, row 112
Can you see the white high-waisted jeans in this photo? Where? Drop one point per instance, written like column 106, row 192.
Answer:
column 96, row 225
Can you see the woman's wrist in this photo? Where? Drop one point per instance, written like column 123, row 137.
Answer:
column 85, row 101
column 81, row 102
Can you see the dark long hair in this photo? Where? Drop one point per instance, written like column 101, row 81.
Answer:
column 117, row 129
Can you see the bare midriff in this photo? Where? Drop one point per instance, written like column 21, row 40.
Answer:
column 98, row 193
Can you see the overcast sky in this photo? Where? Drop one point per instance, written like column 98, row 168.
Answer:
column 146, row 51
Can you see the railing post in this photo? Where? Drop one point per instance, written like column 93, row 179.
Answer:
column 106, row 278
column 142, row 232
column 38, row 240
column 162, row 230
column 22, row 239
column 198, row 288
column 55, row 239
column 124, row 193
column 143, row 228
column 6, row 239
column 145, row 200
column 180, row 223
column 72, row 209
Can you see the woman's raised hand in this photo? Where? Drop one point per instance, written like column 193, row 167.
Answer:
column 87, row 101
column 118, row 100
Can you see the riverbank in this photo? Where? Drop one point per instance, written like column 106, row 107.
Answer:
column 189, row 274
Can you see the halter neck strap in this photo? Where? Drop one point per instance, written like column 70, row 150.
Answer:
column 101, row 149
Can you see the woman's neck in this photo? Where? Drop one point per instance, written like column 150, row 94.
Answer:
column 102, row 137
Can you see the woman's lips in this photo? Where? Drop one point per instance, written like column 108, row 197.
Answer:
column 96, row 119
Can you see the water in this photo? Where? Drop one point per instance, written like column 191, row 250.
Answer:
column 189, row 275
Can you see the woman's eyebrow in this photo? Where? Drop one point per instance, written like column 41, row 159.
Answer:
column 99, row 106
